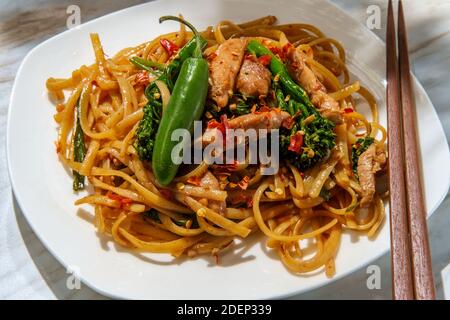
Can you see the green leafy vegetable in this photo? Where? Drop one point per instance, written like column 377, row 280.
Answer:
column 153, row 215
column 358, row 148
column 182, row 222
column 325, row 194
column 148, row 65
column 79, row 151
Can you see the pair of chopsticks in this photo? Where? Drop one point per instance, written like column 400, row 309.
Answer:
column 412, row 274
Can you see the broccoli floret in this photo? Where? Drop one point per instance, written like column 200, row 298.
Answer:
column 148, row 126
column 318, row 135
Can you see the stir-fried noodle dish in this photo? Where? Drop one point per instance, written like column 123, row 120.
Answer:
column 133, row 124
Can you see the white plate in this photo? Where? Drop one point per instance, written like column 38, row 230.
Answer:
column 44, row 188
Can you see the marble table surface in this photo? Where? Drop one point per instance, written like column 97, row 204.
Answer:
column 29, row 271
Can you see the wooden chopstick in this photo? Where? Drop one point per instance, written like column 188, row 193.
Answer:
column 402, row 286
column 420, row 250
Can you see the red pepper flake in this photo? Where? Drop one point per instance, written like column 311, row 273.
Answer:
column 288, row 123
column 296, row 142
column 166, row 193
column 249, row 56
column 242, row 198
column 169, row 46
column 348, row 110
column 211, row 57
column 243, row 184
column 302, row 174
column 194, row 180
column 286, row 48
column 124, row 202
column 265, row 59
column 262, row 109
column 222, row 126
column 142, row 78
column 275, row 50
column 224, row 168
column 278, row 52
column 213, row 124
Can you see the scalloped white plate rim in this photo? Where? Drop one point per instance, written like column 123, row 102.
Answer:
column 127, row 276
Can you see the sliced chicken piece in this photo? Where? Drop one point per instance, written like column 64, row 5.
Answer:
column 305, row 77
column 224, row 69
column 269, row 120
column 369, row 163
column 209, row 181
column 253, row 79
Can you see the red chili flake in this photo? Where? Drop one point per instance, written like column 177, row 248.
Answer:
column 194, row 180
column 242, row 198
column 122, row 200
column 243, row 184
column 296, row 143
column 275, row 50
column 222, row 126
column 302, row 174
column 213, row 124
column 265, row 59
column 224, row 120
column 294, row 65
column 249, row 56
column 169, row 46
column 286, row 48
column 278, row 52
column 224, row 168
column 142, row 78
column 263, row 109
column 166, row 193
column 211, row 56
column 288, row 123
column 348, row 110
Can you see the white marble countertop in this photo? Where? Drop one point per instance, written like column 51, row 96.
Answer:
column 29, row 271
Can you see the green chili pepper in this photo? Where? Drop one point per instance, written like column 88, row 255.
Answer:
column 277, row 67
column 185, row 106
column 148, row 126
column 173, row 69
column 79, row 151
column 148, row 65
